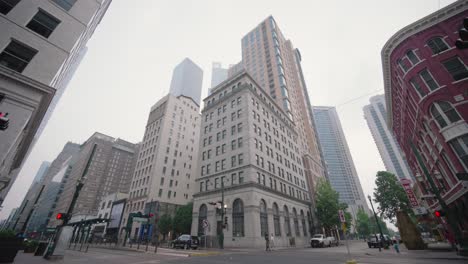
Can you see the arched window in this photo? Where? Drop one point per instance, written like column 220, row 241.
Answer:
column 296, row 222
column 238, row 218
column 202, row 215
column 276, row 220
column 287, row 225
column 304, row 226
column 437, row 45
column 444, row 113
column 263, row 218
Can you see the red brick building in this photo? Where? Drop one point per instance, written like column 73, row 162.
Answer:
column 426, row 90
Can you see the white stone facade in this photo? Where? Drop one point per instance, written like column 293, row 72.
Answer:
column 166, row 164
column 249, row 144
column 32, row 93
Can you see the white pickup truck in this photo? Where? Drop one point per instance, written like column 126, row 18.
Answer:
column 320, row 240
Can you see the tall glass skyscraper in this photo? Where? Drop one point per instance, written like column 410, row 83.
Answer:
column 340, row 166
column 376, row 116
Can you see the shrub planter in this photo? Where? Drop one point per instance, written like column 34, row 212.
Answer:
column 9, row 246
column 30, row 246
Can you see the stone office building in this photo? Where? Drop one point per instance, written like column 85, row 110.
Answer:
column 249, row 152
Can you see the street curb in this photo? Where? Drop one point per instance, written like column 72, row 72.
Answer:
column 205, row 254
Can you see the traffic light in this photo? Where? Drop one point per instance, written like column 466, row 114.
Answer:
column 225, row 221
column 61, row 216
column 150, row 215
column 439, row 214
column 462, row 42
column 4, row 121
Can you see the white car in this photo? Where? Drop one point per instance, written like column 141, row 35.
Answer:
column 320, row 240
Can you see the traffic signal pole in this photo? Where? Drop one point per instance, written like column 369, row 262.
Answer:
column 451, row 218
column 79, row 186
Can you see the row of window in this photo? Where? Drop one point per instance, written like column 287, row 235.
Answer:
column 454, row 66
column 220, row 165
column 236, row 178
column 17, row 55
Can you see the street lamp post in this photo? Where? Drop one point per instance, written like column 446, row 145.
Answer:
column 222, row 207
column 378, row 224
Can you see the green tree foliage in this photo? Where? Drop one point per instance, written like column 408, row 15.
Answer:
column 390, row 196
column 182, row 222
column 375, row 229
column 349, row 221
column 363, row 225
column 165, row 225
column 327, row 205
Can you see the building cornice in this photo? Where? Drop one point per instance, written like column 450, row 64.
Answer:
column 406, row 32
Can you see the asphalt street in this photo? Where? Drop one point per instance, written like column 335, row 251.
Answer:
column 359, row 251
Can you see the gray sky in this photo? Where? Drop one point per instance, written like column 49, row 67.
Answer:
column 130, row 59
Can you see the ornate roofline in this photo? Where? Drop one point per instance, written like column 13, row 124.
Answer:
column 406, row 32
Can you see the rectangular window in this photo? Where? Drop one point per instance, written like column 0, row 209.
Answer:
column 239, row 127
column 456, row 68
column 417, row 87
column 7, row 5
column 240, row 159
column 43, row 23
column 233, row 178
column 412, row 57
column 403, row 65
column 16, row 56
column 430, row 82
column 241, row 177
column 65, row 4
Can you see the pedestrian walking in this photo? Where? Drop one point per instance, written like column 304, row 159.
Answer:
column 396, row 246
column 267, row 242
column 272, row 241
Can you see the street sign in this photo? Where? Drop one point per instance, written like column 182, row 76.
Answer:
column 140, row 220
column 406, row 184
column 420, row 210
column 342, row 216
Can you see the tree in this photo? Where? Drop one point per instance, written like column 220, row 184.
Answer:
column 165, row 225
column 349, row 221
column 327, row 205
column 182, row 221
column 363, row 225
column 390, row 196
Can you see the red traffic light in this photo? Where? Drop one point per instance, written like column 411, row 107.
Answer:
column 61, row 216
column 439, row 214
column 150, row 215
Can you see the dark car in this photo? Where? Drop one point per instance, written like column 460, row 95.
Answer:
column 185, row 242
column 374, row 240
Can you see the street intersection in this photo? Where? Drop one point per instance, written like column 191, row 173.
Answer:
column 359, row 252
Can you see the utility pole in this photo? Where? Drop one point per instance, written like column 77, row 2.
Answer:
column 450, row 217
column 378, row 224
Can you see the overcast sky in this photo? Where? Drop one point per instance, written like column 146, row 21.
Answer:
column 132, row 53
